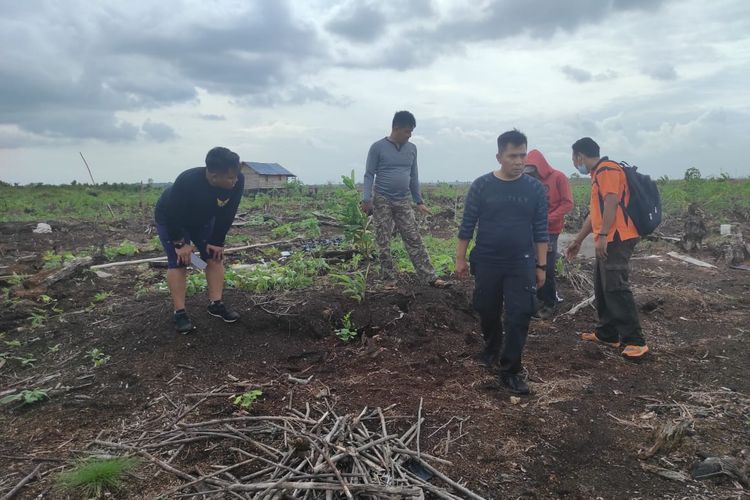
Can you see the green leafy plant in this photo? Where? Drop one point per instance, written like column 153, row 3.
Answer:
column 283, row 231
column 45, row 299
column 55, row 348
column 347, row 332
column 38, row 318
column 311, row 227
column 102, row 296
column 246, row 399
column 54, row 260
column 16, row 279
column 98, row 357
column 354, row 283
column 25, row 361
column 93, row 477
column 26, row 397
column 357, row 230
column 125, row 249
column 12, row 343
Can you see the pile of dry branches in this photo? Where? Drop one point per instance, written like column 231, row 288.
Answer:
column 312, row 454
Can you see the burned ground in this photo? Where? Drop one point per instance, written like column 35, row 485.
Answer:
column 588, row 430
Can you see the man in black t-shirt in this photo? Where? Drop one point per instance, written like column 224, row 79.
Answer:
column 509, row 260
column 195, row 213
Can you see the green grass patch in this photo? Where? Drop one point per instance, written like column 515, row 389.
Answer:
column 94, row 477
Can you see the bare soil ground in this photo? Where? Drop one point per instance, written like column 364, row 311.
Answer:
column 583, row 433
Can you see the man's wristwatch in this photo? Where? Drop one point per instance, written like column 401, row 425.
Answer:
column 179, row 244
column 603, row 234
column 543, row 267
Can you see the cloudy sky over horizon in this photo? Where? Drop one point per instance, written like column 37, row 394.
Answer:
column 144, row 89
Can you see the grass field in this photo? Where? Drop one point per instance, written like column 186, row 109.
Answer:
column 723, row 198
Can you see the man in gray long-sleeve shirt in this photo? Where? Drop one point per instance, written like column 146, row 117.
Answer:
column 392, row 174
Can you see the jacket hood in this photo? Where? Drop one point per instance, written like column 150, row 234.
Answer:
column 536, row 158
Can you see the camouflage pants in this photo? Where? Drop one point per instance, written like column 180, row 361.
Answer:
column 399, row 213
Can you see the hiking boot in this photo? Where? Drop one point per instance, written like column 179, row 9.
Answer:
column 182, row 322
column 591, row 337
column 220, row 310
column 514, row 382
column 635, row 351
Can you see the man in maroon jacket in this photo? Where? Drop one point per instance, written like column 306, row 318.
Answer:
column 559, row 203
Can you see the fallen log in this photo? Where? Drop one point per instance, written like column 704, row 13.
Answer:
column 67, row 270
column 226, row 251
column 39, row 282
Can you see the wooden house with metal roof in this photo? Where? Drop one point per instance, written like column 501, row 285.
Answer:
column 262, row 176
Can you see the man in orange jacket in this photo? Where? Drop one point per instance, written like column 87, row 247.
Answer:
column 559, row 203
column 615, row 237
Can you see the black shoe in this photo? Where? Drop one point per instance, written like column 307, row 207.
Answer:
column 545, row 312
column 515, row 382
column 182, row 322
column 220, row 310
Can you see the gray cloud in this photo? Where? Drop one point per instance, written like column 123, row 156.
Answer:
column 159, row 132
column 664, row 72
column 582, row 76
column 212, row 117
column 296, row 94
column 490, row 21
column 358, row 22
column 93, row 61
column 577, row 74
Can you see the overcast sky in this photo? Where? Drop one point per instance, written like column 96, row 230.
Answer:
column 144, row 89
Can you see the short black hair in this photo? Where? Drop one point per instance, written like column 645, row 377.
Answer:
column 403, row 119
column 515, row 137
column 587, row 147
column 221, row 160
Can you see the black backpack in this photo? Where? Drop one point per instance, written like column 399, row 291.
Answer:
column 644, row 206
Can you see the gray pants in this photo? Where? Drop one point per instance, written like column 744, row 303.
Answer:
column 399, row 213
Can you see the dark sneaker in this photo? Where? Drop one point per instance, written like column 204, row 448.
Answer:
column 220, row 310
column 182, row 322
column 515, row 382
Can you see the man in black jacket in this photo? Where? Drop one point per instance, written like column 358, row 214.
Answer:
column 509, row 261
column 195, row 213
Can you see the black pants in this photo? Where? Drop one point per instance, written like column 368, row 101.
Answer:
column 547, row 295
column 615, row 306
column 514, row 292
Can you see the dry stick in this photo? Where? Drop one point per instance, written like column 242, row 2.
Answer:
column 171, row 459
column 448, row 480
column 419, row 425
column 331, row 464
column 242, row 419
column 436, row 490
column 94, row 182
column 357, row 488
column 148, row 456
column 580, row 305
column 22, row 483
column 164, row 259
column 203, row 478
